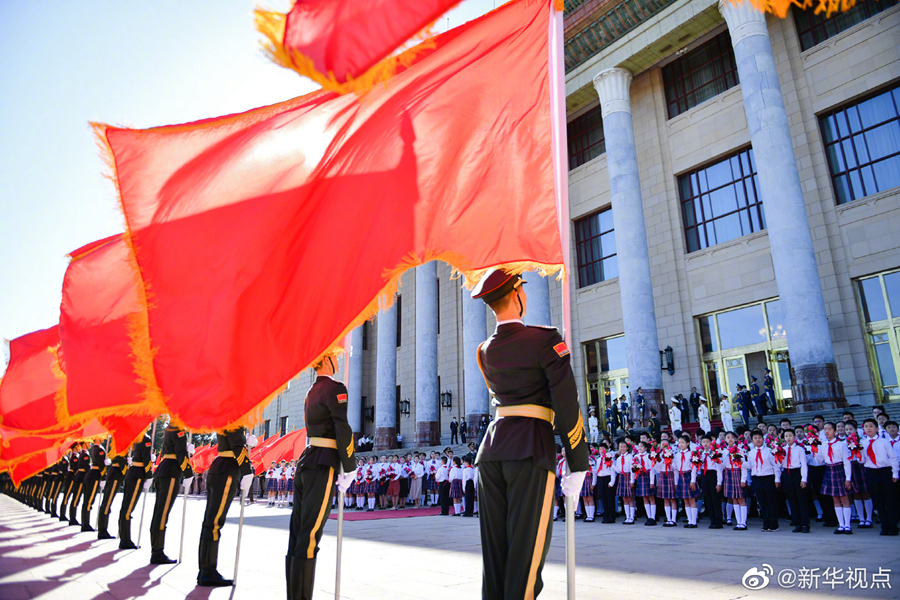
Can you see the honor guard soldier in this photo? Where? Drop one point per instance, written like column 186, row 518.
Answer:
column 115, row 473
column 174, row 470
column 759, row 401
column 91, row 482
column 69, row 479
column 58, row 478
column 137, row 479
column 769, row 391
column 330, row 447
column 529, row 374
column 230, row 470
column 83, row 462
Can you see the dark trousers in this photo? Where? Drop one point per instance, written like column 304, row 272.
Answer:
column 77, row 492
column 91, row 485
column 462, row 437
column 798, row 497
column 516, row 498
column 764, row 486
column 67, row 489
column 454, row 437
column 109, row 492
column 222, row 483
column 745, row 416
column 167, row 489
column 470, row 498
column 134, row 485
column 711, row 497
column 313, row 489
column 608, row 498
column 444, row 491
column 884, row 493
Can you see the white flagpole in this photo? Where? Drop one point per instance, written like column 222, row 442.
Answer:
column 144, row 501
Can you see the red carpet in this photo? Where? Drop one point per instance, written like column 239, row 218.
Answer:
column 362, row 515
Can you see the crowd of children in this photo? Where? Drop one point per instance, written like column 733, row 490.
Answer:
column 280, row 483
column 839, row 472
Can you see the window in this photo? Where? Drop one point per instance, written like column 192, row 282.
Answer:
column 813, row 29
column 862, row 143
column 699, row 75
column 606, row 373
column 879, row 306
column 586, row 141
column 365, row 327
column 266, row 429
column 284, row 424
column 720, row 202
column 595, row 243
column 399, row 319
column 742, row 327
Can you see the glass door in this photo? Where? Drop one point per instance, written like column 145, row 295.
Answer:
column 735, row 373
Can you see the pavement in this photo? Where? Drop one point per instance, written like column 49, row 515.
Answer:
column 440, row 558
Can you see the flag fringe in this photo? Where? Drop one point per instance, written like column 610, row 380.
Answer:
column 272, row 24
column 781, row 7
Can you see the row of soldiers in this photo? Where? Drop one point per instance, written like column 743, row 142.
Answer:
column 86, row 469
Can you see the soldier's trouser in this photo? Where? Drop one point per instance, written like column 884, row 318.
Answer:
column 67, row 486
column 313, row 488
column 109, row 492
column 91, row 485
column 77, row 492
column 167, row 489
column 134, row 485
column 515, row 500
column 222, row 483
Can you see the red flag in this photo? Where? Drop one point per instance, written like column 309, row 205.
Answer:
column 102, row 315
column 289, row 447
column 261, row 447
column 34, row 386
column 265, row 237
column 23, row 467
column 345, row 46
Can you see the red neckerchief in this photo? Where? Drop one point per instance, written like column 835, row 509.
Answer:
column 789, row 458
column 871, row 452
column 759, row 459
column 830, row 451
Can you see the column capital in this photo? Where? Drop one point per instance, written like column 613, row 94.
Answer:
column 743, row 19
column 614, row 88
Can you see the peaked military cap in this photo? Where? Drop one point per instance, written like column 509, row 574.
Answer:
column 494, row 285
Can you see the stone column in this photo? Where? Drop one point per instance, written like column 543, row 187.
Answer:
column 537, row 289
column 428, row 427
column 386, row 380
column 476, row 393
column 635, row 288
column 353, row 360
column 815, row 380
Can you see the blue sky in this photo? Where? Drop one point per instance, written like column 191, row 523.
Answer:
column 136, row 64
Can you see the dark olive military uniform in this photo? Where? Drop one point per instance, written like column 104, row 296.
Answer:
column 92, row 484
column 114, row 475
column 71, row 465
column 223, row 481
column 524, row 366
column 326, row 424
column 59, row 475
column 137, row 473
column 174, row 467
column 83, row 465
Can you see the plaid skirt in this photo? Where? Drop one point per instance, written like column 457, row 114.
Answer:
column 456, row 489
column 586, row 490
column 431, row 484
column 683, row 488
column 557, row 489
column 858, row 478
column 642, row 485
column 731, row 484
column 665, row 485
column 833, row 482
column 371, row 487
column 284, row 485
column 357, row 487
column 623, row 487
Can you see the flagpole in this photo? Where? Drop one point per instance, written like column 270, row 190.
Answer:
column 561, row 185
column 184, row 514
column 237, row 554
column 340, row 540
column 144, row 501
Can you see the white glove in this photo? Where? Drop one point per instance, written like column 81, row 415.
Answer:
column 152, row 458
column 102, row 485
column 190, row 448
column 187, row 482
column 572, row 483
column 107, row 462
column 147, row 483
column 344, row 480
column 251, row 441
column 246, row 482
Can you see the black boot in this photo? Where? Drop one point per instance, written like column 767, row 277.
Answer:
column 208, row 560
column 157, row 545
column 125, row 542
column 301, row 575
column 102, row 526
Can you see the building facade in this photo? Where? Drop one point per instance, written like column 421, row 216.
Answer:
column 734, row 200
